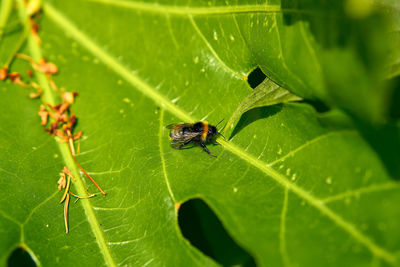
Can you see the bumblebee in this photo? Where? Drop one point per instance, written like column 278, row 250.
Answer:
column 200, row 132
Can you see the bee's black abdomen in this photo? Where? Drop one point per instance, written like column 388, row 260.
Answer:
column 198, row 127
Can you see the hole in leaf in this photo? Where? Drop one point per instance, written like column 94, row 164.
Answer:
column 20, row 257
column 256, row 77
column 202, row 228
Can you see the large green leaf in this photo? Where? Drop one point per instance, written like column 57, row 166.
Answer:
column 292, row 187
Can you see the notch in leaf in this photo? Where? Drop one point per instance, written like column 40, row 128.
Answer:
column 203, row 229
column 20, row 257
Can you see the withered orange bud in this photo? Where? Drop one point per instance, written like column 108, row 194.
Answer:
column 72, row 120
column 62, row 182
column 43, row 113
column 55, row 116
column 66, row 171
column 15, row 77
column 68, row 97
column 53, row 128
column 30, row 72
column 64, row 117
column 3, row 73
column 63, row 107
column 53, row 108
column 65, row 127
column 47, row 67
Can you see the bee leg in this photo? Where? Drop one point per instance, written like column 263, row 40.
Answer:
column 184, row 144
column 180, row 146
column 206, row 149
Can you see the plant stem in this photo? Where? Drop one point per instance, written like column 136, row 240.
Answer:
column 6, row 6
column 17, row 47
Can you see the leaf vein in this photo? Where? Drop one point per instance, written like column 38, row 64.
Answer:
column 171, row 32
column 310, row 48
column 363, row 190
column 38, row 206
column 209, row 46
column 198, row 11
column 308, row 143
column 282, row 232
column 160, row 135
column 12, row 219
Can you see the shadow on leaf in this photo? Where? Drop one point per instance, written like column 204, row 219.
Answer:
column 203, row 229
column 385, row 140
column 255, row 114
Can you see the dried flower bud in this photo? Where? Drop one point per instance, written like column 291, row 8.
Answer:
column 68, row 97
column 3, row 73
column 47, row 67
column 43, row 113
column 62, row 182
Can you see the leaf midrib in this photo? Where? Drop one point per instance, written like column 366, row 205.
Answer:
column 185, row 11
column 201, row 10
column 63, row 147
column 161, row 100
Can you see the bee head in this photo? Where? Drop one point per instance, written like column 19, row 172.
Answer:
column 216, row 131
column 212, row 130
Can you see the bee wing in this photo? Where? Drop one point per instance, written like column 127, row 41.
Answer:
column 177, row 125
column 172, row 126
column 186, row 136
column 180, row 141
column 177, row 144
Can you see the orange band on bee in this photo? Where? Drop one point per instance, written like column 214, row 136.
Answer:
column 177, row 126
column 205, row 131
